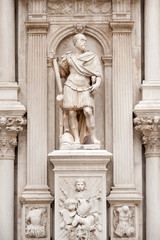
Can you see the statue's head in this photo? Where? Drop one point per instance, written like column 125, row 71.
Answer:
column 79, row 41
column 80, row 184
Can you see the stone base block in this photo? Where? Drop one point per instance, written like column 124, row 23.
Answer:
column 36, row 221
column 80, row 194
column 123, row 221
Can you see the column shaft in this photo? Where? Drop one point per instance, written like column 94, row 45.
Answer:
column 7, row 199
column 37, row 106
column 122, row 104
column 152, row 40
column 152, row 198
column 7, row 41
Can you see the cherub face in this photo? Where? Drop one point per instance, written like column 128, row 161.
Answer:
column 80, row 186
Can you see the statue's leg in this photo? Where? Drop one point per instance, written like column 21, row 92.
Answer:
column 90, row 121
column 65, row 121
column 74, row 125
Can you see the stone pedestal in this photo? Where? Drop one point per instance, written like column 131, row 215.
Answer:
column 80, row 193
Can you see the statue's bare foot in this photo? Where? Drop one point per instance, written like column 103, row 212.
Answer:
column 95, row 140
column 77, row 141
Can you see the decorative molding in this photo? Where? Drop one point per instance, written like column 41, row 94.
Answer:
column 37, row 27
column 124, row 221
column 70, row 30
column 122, row 27
column 150, row 129
column 78, row 7
column 121, row 9
column 107, row 60
column 9, row 127
column 79, row 27
column 35, row 222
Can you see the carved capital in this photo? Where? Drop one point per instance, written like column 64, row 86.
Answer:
column 150, row 129
column 122, row 26
column 37, row 27
column 9, row 128
column 107, row 60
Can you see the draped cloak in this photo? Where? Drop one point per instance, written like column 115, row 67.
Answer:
column 77, row 95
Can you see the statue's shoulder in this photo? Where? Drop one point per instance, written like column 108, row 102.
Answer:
column 64, row 65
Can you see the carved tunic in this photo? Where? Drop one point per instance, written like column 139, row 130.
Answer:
column 79, row 70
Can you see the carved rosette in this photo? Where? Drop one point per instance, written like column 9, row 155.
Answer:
column 150, row 129
column 9, row 128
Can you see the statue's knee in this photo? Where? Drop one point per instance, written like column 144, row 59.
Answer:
column 72, row 114
column 87, row 111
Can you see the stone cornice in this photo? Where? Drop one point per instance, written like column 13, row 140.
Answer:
column 150, row 129
column 37, row 27
column 122, row 26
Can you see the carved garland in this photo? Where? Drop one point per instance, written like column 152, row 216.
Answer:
column 150, row 128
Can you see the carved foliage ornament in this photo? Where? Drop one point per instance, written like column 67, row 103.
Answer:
column 123, row 221
column 72, row 7
column 9, row 127
column 80, row 211
column 36, row 220
column 150, row 129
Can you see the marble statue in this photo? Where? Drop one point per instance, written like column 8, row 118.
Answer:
column 83, row 76
column 123, row 222
column 35, row 224
column 80, row 215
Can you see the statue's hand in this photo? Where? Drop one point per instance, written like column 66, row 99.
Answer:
column 94, row 89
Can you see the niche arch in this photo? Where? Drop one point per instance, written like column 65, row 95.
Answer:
column 56, row 42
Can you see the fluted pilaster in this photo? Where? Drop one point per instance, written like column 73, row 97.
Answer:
column 122, row 104
column 37, row 104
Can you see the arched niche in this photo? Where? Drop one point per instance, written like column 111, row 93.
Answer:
column 60, row 43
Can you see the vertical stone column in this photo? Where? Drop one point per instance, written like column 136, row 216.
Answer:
column 124, row 197
column 122, row 104
column 37, row 106
column 147, row 121
column 11, row 112
column 107, row 60
column 9, row 127
column 150, row 129
column 36, row 197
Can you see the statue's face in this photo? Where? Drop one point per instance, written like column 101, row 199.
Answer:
column 80, row 186
column 81, row 43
